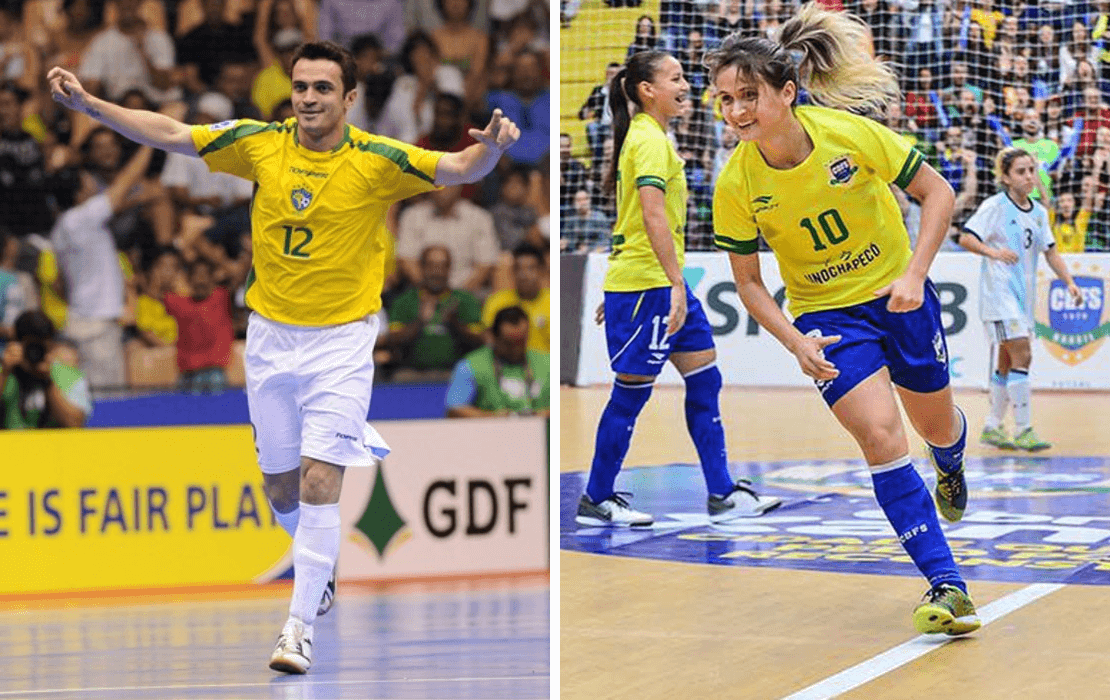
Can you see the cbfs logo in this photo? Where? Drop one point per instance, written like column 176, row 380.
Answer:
column 1072, row 331
column 301, row 198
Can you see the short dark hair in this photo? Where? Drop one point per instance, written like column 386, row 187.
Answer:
column 415, row 39
column 527, row 249
column 34, row 324
column 329, row 51
column 363, row 42
column 13, row 87
column 510, row 315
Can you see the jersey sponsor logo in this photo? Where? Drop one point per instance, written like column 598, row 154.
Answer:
column 301, row 198
column 1074, row 331
column 307, row 173
column 657, row 358
column 220, row 126
column 851, row 263
column 343, row 436
column 764, row 203
column 842, row 169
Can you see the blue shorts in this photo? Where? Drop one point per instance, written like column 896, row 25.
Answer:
column 911, row 344
column 635, row 329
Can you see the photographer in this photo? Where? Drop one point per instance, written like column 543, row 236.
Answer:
column 37, row 391
column 502, row 379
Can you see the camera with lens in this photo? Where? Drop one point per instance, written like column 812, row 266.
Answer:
column 34, row 351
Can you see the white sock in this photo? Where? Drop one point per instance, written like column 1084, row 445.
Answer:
column 1018, row 388
column 315, row 549
column 999, row 399
column 288, row 521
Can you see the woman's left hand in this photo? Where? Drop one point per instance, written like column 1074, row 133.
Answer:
column 906, row 294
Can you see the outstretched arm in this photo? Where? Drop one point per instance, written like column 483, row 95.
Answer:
column 141, row 126
column 475, row 162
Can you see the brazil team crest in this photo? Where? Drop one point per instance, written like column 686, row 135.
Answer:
column 842, row 169
column 1072, row 332
column 301, row 198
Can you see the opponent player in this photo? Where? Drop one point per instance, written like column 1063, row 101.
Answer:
column 1009, row 229
column 317, row 225
column 814, row 182
column 651, row 315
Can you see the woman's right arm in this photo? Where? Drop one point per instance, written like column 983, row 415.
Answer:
column 148, row 128
column 654, row 210
column 762, row 307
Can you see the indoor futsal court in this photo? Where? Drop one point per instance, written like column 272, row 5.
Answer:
column 480, row 638
column 814, row 599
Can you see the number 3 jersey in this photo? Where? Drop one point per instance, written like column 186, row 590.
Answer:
column 317, row 219
column 832, row 221
column 1007, row 291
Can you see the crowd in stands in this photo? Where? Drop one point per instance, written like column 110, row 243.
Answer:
column 139, row 258
column 976, row 75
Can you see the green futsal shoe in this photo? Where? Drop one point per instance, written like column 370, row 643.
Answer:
column 996, row 437
column 946, row 609
column 1027, row 440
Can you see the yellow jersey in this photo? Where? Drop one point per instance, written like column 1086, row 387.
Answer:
column 1070, row 238
column 538, row 310
column 832, row 221
column 647, row 158
column 317, row 219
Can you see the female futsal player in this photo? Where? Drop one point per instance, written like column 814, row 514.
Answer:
column 814, row 182
column 650, row 313
column 1009, row 230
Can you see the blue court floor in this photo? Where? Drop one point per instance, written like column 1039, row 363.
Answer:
column 1037, row 519
column 491, row 643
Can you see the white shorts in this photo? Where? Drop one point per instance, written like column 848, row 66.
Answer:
column 308, row 392
column 999, row 332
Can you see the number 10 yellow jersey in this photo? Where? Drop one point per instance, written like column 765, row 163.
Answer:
column 317, row 219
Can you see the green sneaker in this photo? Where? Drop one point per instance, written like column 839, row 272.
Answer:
column 946, row 609
column 996, row 437
column 1028, row 440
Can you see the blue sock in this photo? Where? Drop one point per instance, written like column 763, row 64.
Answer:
column 614, row 432
column 903, row 497
column 703, row 419
column 951, row 458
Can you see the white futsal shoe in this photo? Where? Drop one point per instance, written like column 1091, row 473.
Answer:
column 743, row 502
column 611, row 512
column 294, row 648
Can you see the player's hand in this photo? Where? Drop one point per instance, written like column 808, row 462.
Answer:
column 500, row 133
column 1076, row 295
column 676, row 317
column 67, row 89
column 1004, row 255
column 810, row 354
column 599, row 314
column 906, row 294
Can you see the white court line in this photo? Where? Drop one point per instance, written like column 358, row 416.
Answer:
column 915, row 648
column 310, row 681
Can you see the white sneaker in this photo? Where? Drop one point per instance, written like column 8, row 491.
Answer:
column 612, row 512
column 743, row 502
column 294, row 648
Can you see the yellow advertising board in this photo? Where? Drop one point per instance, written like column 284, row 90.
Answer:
column 133, row 508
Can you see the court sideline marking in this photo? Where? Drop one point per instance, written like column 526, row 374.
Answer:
column 891, row 659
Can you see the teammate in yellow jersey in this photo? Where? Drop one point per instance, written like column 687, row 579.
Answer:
column 317, row 226
column 814, row 182
column 651, row 316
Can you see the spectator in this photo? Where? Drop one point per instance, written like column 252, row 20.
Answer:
column 90, row 270
column 204, row 333
column 204, row 50
column 281, row 17
column 463, row 45
column 572, row 176
column 38, row 390
column 24, row 186
column 644, row 39
column 410, row 109
column 920, row 108
column 376, row 78
column 1094, row 114
column 596, row 110
column 528, row 104
column 13, row 291
column 128, row 54
column 465, row 229
column 450, row 132
column 432, row 326
column 273, row 85
column 1044, row 149
column 529, row 293
column 342, row 20
column 154, row 326
column 233, row 81
column 587, row 229
column 1069, row 227
column 504, row 378
column 19, row 59
column 514, row 219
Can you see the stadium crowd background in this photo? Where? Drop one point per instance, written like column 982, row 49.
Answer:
column 976, row 75
column 429, row 70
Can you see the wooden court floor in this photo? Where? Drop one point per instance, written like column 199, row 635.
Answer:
column 651, row 628
column 470, row 639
